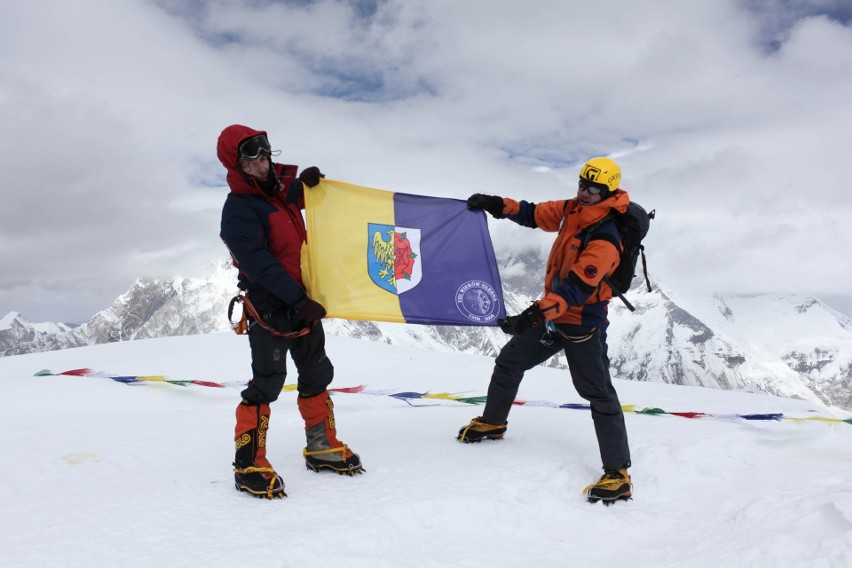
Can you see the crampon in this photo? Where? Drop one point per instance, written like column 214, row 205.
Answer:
column 260, row 482
column 614, row 485
column 479, row 430
column 610, row 501
column 316, row 461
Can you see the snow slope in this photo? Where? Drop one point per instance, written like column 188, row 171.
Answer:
column 98, row 473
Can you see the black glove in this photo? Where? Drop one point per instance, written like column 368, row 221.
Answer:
column 311, row 311
column 516, row 325
column 311, row 176
column 491, row 203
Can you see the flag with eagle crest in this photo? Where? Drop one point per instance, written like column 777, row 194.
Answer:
column 384, row 256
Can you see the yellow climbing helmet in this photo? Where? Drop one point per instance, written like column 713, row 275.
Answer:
column 602, row 172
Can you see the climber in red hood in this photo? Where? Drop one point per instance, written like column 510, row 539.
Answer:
column 263, row 228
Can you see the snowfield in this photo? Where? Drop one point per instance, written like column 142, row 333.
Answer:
column 99, row 473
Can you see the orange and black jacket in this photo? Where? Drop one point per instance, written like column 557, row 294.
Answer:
column 574, row 291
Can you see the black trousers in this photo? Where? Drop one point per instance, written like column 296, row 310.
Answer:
column 588, row 364
column 269, row 353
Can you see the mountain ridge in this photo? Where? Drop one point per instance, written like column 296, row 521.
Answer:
column 782, row 344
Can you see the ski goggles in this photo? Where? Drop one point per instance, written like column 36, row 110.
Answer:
column 592, row 187
column 251, row 148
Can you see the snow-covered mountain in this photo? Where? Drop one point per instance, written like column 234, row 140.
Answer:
column 786, row 345
column 17, row 335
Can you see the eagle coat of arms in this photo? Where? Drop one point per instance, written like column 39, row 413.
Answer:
column 393, row 257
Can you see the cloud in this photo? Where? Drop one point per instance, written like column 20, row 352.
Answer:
column 729, row 118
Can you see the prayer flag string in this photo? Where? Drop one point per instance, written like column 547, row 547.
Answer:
column 418, row 398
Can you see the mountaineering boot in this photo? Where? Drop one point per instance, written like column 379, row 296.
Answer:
column 324, row 450
column 478, row 430
column 252, row 471
column 613, row 485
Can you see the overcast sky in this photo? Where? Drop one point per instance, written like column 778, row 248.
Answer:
column 731, row 118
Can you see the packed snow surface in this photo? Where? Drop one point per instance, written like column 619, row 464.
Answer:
column 99, row 473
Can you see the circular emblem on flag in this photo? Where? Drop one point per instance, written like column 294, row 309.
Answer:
column 590, row 272
column 477, row 301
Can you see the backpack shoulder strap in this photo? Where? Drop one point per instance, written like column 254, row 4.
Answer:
column 595, row 232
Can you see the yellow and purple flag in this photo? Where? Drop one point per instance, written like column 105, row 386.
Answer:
column 384, row 256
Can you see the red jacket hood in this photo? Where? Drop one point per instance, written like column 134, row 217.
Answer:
column 227, row 150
